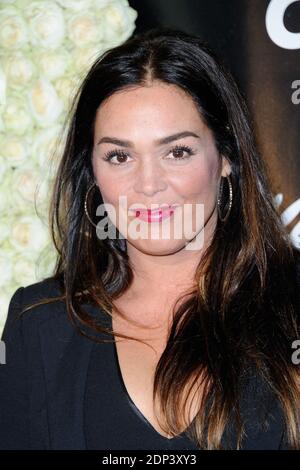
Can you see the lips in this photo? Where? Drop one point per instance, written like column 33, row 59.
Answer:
column 155, row 215
column 156, row 209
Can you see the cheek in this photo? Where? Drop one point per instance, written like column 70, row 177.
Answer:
column 110, row 187
column 109, row 191
column 198, row 182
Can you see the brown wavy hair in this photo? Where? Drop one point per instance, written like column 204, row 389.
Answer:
column 243, row 313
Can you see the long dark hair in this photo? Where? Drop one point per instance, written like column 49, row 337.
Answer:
column 243, row 313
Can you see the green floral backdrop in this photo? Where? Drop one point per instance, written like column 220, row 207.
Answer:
column 46, row 48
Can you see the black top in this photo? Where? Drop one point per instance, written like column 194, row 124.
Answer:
column 60, row 390
column 112, row 421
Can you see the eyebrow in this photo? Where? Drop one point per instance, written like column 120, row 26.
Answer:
column 162, row 141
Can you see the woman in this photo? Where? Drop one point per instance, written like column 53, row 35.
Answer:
column 204, row 321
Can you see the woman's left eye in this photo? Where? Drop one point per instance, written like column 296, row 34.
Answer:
column 179, row 150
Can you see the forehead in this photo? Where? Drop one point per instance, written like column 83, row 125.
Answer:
column 152, row 106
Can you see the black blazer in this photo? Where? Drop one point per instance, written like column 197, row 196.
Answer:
column 43, row 381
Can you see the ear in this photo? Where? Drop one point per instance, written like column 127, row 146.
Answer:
column 226, row 167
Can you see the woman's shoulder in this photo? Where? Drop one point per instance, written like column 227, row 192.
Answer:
column 27, row 303
column 41, row 303
column 47, row 287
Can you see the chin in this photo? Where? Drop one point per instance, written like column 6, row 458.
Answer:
column 158, row 247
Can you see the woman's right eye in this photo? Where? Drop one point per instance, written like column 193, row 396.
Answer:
column 116, row 153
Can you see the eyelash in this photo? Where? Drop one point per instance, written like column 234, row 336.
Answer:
column 109, row 155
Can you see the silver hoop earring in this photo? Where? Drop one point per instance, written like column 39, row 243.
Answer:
column 220, row 196
column 85, row 204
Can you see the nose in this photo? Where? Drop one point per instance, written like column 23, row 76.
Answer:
column 150, row 178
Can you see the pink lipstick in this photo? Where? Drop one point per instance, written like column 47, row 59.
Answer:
column 155, row 215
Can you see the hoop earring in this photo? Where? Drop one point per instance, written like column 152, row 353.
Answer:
column 85, row 204
column 219, row 199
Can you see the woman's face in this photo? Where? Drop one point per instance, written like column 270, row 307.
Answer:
column 149, row 169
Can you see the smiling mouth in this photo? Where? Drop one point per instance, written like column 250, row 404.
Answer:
column 155, row 215
column 156, row 208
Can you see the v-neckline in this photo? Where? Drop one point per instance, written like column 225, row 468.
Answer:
column 133, row 405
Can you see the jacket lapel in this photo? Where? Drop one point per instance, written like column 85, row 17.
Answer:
column 65, row 356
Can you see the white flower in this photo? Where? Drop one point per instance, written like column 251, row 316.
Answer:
column 83, row 29
column 24, row 268
column 28, row 184
column 13, row 149
column 16, row 117
column 66, row 88
column 5, row 268
column 19, row 69
column 45, row 144
column 45, row 262
column 45, row 105
column 85, row 57
column 2, row 87
column 46, row 48
column 46, row 23
column 13, row 29
column 24, row 189
column 3, row 166
column 117, row 22
column 77, row 5
column 27, row 234
column 52, row 64
column 4, row 227
column 5, row 195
